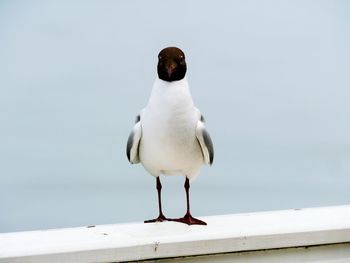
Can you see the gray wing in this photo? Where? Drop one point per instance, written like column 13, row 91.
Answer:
column 205, row 141
column 132, row 146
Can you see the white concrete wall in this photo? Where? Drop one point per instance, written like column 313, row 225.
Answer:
column 224, row 234
column 339, row 253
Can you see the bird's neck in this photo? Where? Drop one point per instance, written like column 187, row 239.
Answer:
column 173, row 94
column 163, row 84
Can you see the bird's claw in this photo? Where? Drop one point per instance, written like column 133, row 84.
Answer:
column 189, row 220
column 160, row 218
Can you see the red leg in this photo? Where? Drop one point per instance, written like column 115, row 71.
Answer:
column 161, row 216
column 188, row 218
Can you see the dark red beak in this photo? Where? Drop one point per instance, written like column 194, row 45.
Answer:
column 170, row 69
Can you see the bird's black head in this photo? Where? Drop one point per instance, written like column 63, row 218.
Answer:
column 171, row 64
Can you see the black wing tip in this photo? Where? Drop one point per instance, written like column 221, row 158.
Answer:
column 138, row 118
column 129, row 145
column 128, row 154
column 209, row 145
column 131, row 140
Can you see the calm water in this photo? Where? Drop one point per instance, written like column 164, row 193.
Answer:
column 271, row 77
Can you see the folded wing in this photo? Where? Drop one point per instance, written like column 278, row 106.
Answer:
column 132, row 147
column 205, row 142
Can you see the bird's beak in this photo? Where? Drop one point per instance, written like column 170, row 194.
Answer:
column 170, row 69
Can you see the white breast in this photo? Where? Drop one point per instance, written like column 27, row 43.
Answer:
column 169, row 144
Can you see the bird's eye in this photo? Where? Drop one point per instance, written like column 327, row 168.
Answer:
column 181, row 56
column 159, row 57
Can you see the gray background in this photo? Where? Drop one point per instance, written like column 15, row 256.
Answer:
column 271, row 77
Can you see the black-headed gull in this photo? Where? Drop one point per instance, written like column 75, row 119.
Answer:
column 169, row 136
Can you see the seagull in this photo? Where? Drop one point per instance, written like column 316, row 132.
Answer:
column 169, row 136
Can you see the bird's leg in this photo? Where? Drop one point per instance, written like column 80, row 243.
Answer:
column 188, row 218
column 161, row 216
